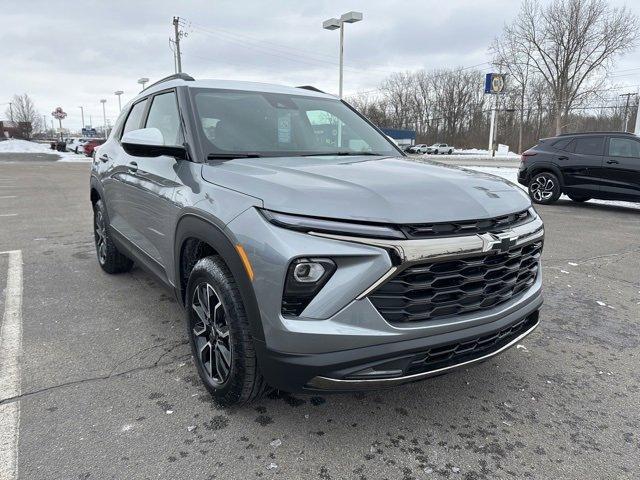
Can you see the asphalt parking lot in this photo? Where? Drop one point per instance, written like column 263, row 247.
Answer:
column 107, row 388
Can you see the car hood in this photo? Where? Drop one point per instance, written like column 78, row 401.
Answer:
column 375, row 189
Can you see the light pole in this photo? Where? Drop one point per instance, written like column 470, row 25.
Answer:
column 104, row 116
column 117, row 93
column 338, row 23
column 142, row 81
column 82, row 114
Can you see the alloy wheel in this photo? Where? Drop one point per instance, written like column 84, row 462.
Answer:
column 100, row 234
column 210, row 330
column 542, row 188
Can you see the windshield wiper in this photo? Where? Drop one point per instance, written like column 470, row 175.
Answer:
column 328, row 154
column 231, row 156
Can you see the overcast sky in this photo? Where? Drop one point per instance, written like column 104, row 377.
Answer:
column 72, row 53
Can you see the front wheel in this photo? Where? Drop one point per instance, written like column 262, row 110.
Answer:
column 544, row 188
column 218, row 330
column 435, row 152
column 450, row 152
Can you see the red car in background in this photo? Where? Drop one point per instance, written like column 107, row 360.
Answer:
column 90, row 146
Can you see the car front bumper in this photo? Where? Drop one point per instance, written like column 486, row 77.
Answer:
column 341, row 341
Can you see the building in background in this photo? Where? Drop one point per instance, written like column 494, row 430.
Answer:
column 403, row 138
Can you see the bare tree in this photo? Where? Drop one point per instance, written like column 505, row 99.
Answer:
column 570, row 43
column 23, row 112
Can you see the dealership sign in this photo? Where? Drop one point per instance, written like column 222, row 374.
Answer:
column 59, row 114
column 494, row 83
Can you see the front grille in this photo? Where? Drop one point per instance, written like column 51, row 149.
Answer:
column 467, row 227
column 470, row 349
column 435, row 290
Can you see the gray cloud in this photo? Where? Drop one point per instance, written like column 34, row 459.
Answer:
column 73, row 53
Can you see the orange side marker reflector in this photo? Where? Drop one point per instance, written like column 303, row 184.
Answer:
column 245, row 261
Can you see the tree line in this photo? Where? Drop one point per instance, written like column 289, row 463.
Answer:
column 556, row 56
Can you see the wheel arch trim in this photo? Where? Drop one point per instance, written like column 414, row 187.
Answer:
column 209, row 231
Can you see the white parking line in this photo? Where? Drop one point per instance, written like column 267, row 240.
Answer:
column 8, row 196
column 10, row 353
column 8, row 215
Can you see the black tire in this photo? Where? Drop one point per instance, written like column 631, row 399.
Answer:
column 544, row 188
column 435, row 152
column 577, row 198
column 450, row 151
column 226, row 335
column 109, row 257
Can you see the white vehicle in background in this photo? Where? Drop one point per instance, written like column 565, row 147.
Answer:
column 78, row 145
column 420, row 148
column 441, row 148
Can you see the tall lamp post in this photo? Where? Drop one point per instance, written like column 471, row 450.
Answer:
column 82, row 115
column 143, row 81
column 104, row 116
column 338, row 23
column 117, row 93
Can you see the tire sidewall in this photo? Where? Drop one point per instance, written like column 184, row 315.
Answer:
column 211, row 271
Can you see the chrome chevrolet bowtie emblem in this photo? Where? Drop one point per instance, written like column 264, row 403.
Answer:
column 499, row 242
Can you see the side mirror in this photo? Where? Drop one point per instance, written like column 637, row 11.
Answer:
column 149, row 142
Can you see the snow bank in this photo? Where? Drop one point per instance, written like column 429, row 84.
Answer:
column 24, row 146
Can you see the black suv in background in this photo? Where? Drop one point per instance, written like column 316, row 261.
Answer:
column 604, row 165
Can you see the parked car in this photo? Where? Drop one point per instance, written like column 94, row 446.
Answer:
column 299, row 265
column 439, row 148
column 604, row 165
column 417, row 148
column 88, row 147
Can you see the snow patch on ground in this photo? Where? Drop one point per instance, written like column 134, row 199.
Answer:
column 25, row 146
column 511, row 174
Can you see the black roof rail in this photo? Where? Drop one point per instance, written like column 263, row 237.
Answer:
column 175, row 76
column 596, row 133
column 310, row 87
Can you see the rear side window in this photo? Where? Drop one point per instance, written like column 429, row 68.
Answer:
column 624, row 147
column 562, row 144
column 164, row 116
column 589, row 145
column 135, row 117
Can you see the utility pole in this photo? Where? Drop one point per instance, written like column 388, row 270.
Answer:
column 117, row 94
column 626, row 110
column 82, row 114
column 11, row 110
column 177, row 35
column 104, row 116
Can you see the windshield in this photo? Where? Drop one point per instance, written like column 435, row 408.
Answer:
column 273, row 124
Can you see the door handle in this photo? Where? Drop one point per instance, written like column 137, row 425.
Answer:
column 563, row 158
column 104, row 158
column 613, row 162
column 133, row 167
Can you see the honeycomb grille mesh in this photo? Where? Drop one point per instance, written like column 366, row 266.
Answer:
column 441, row 289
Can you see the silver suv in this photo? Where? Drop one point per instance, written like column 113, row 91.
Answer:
column 308, row 252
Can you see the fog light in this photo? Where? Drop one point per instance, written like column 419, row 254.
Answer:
column 305, row 278
column 306, row 272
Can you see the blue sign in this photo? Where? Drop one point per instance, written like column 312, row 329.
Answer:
column 494, row 83
column 89, row 132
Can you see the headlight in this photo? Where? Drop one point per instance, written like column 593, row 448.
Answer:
column 313, row 224
column 305, row 278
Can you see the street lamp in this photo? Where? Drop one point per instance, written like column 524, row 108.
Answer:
column 117, row 93
column 142, row 81
column 104, row 116
column 82, row 114
column 338, row 23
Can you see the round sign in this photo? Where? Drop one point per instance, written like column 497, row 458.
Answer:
column 497, row 83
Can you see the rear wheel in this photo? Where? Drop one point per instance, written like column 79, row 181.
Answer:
column 435, row 152
column 578, row 198
column 450, row 151
column 109, row 258
column 218, row 330
column 544, row 188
